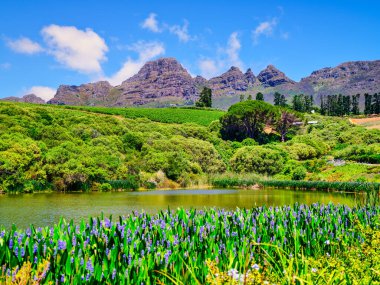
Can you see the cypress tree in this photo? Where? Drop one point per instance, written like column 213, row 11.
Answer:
column 355, row 104
column 367, row 104
column 260, row 96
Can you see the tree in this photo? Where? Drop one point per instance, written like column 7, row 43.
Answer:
column 323, row 105
column 205, row 99
column 346, row 105
column 260, row 96
column 355, row 104
column 249, row 97
column 367, row 104
column 247, row 120
column 242, row 97
column 279, row 99
column 285, row 123
column 376, row 103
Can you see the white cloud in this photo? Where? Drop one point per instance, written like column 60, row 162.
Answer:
column 43, row 92
column 181, row 31
column 80, row 50
column 146, row 51
column 24, row 45
column 225, row 58
column 264, row 28
column 151, row 23
column 232, row 50
column 208, row 67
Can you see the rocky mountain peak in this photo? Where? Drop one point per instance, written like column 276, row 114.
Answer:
column 272, row 77
column 29, row 98
column 159, row 67
column 347, row 78
column 164, row 77
column 249, row 76
column 200, row 80
column 85, row 94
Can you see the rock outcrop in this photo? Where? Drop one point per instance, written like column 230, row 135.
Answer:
column 162, row 78
column 232, row 81
column 29, row 98
column 90, row 94
column 272, row 77
column 347, row 78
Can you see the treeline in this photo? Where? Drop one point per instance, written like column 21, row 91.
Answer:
column 331, row 105
column 300, row 102
column 340, row 105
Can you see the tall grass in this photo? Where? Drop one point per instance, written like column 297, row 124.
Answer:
column 174, row 246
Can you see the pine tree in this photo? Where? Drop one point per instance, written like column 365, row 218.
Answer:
column 205, row 99
column 260, row 96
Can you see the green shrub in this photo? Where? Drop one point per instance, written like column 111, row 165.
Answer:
column 299, row 173
column 257, row 159
column 105, row 187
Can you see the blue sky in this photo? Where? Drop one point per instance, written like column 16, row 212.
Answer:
column 47, row 43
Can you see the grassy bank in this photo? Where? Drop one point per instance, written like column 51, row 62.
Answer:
column 318, row 243
column 248, row 180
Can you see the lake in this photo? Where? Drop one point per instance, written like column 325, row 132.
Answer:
column 42, row 209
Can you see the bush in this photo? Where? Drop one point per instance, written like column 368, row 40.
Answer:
column 105, row 187
column 299, row 173
column 257, row 159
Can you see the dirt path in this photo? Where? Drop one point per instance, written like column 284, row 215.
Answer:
column 369, row 123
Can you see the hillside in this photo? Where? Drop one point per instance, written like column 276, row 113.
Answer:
column 77, row 148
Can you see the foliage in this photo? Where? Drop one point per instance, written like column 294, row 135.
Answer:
column 277, row 243
column 205, row 98
column 299, row 173
column 247, row 120
column 68, row 148
column 279, row 99
column 257, row 159
column 302, row 103
column 259, row 96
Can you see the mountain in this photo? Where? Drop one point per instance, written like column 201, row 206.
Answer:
column 272, row 77
column 232, row 81
column 159, row 79
column 347, row 78
column 98, row 93
column 165, row 81
column 29, row 98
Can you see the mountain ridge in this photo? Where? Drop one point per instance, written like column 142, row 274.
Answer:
column 164, row 82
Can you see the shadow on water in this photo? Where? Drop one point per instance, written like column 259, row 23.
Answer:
column 46, row 208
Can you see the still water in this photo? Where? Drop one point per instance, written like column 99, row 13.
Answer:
column 44, row 209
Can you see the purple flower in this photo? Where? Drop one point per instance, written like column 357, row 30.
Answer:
column 61, row 245
column 89, row 266
column 35, row 248
column 113, row 274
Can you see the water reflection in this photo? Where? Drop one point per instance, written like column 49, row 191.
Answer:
column 46, row 208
